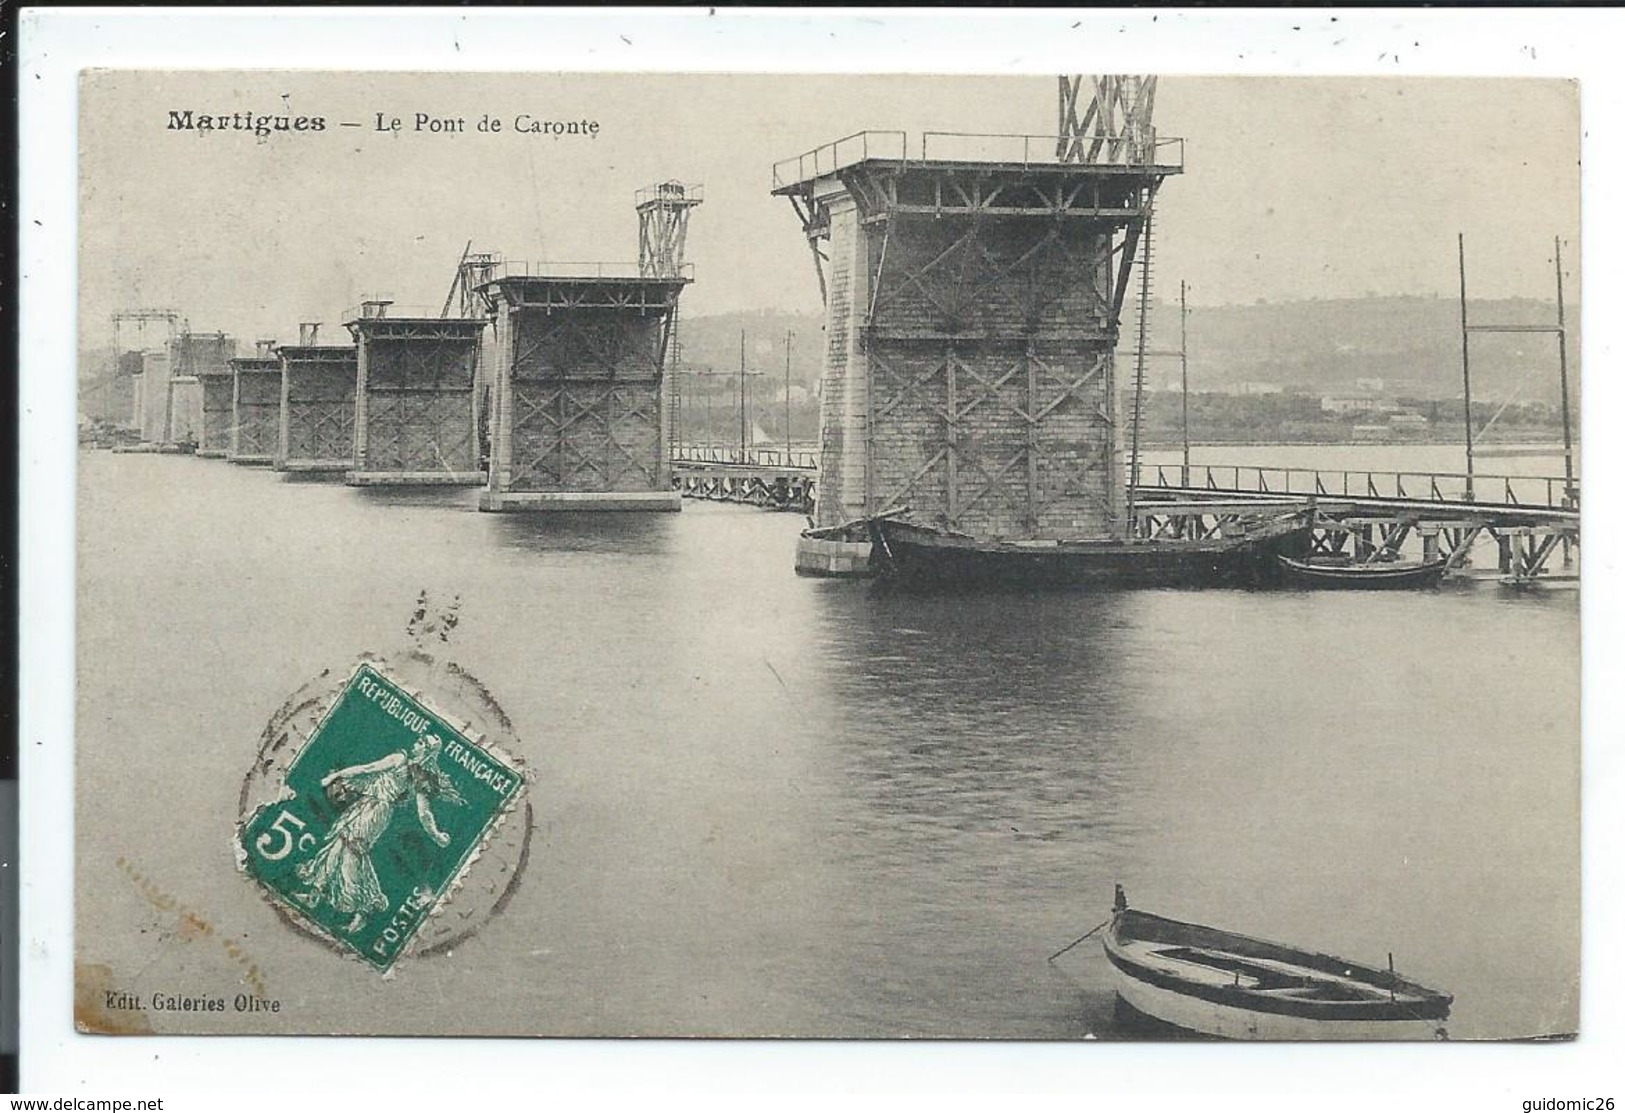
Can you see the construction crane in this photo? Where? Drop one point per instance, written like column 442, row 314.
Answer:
column 474, row 269
column 136, row 321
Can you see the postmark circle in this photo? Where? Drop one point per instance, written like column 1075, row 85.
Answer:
column 385, row 813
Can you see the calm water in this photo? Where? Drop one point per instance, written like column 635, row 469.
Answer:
column 771, row 805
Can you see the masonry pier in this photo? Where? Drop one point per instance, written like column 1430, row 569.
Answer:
column 316, row 431
column 416, row 406
column 972, row 312
column 579, row 416
column 150, row 396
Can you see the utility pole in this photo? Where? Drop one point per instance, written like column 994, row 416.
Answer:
column 1466, row 373
column 1562, row 366
column 1184, row 394
column 788, row 335
column 1563, row 379
column 708, row 444
column 742, row 457
column 699, row 376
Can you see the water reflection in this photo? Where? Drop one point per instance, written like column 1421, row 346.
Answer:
column 583, row 532
column 313, row 478
column 966, row 713
column 448, row 498
column 985, row 783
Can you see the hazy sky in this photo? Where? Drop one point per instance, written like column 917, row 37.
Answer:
column 1293, row 188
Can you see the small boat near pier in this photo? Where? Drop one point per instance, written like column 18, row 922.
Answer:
column 1221, row 984
column 1346, row 575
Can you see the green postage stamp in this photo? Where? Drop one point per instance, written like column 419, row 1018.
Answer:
column 383, row 810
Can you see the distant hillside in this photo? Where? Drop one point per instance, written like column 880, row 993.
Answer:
column 713, row 343
column 1413, row 344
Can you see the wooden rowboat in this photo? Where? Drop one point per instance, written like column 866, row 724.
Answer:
column 1383, row 576
column 1218, row 983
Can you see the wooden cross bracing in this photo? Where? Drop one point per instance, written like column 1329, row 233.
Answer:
column 418, row 405
column 421, row 364
column 1006, row 456
column 588, row 345
column 989, row 346
column 581, row 382
column 563, row 430
column 321, row 430
column 586, row 389
column 318, row 392
column 974, row 274
column 1066, row 193
column 420, row 431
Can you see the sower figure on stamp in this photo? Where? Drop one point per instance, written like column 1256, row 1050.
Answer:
column 341, row 873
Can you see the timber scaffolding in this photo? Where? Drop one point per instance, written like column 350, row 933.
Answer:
column 1367, row 517
column 769, row 478
column 316, row 431
column 417, row 406
column 1379, row 517
column 974, row 294
column 579, row 415
column 199, row 365
column 256, row 405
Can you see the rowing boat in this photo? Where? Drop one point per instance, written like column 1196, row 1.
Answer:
column 1370, row 576
column 1218, row 983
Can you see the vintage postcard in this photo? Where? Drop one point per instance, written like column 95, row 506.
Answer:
column 1063, row 557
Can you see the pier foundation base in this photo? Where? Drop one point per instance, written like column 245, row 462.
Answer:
column 315, row 467
column 414, row 478
column 565, row 501
column 816, row 556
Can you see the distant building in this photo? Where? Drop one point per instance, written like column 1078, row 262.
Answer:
column 1408, row 424
column 1256, row 388
column 1372, row 434
column 1353, row 403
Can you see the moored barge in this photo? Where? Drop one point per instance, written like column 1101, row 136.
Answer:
column 921, row 556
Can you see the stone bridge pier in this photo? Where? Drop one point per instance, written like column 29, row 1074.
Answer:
column 972, row 312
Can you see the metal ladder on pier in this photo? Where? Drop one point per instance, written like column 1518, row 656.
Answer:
column 1137, row 406
column 673, row 374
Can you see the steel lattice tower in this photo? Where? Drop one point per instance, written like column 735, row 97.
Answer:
column 663, row 212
